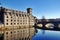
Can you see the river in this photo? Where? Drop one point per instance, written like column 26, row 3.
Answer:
column 47, row 35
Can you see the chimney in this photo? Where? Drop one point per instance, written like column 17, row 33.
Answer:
column 29, row 10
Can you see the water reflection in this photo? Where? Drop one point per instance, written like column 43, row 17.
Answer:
column 48, row 35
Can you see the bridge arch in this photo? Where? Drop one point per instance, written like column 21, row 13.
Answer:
column 40, row 25
column 49, row 25
column 58, row 25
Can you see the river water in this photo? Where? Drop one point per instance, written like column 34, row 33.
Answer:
column 47, row 35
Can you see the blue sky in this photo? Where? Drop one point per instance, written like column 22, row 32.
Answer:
column 47, row 8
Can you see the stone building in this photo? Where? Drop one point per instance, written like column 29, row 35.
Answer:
column 17, row 25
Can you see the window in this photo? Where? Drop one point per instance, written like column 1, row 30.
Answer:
column 22, row 15
column 19, row 14
column 7, row 19
column 18, row 20
column 14, row 23
column 7, row 16
column 10, row 13
column 7, row 23
column 11, row 32
column 16, row 14
column 11, row 17
column 17, row 31
column 6, row 9
column 20, row 23
column 6, row 32
column 11, row 20
column 17, row 23
column 5, row 13
column 11, row 23
column 25, row 15
column 14, row 20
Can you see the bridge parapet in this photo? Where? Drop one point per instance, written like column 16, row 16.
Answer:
column 49, row 20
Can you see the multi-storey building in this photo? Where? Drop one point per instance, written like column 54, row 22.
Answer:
column 17, row 25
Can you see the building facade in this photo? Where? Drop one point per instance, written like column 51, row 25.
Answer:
column 17, row 25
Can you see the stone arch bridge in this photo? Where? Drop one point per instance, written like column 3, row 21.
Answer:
column 48, row 24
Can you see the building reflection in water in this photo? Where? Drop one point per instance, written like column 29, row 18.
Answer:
column 19, row 34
